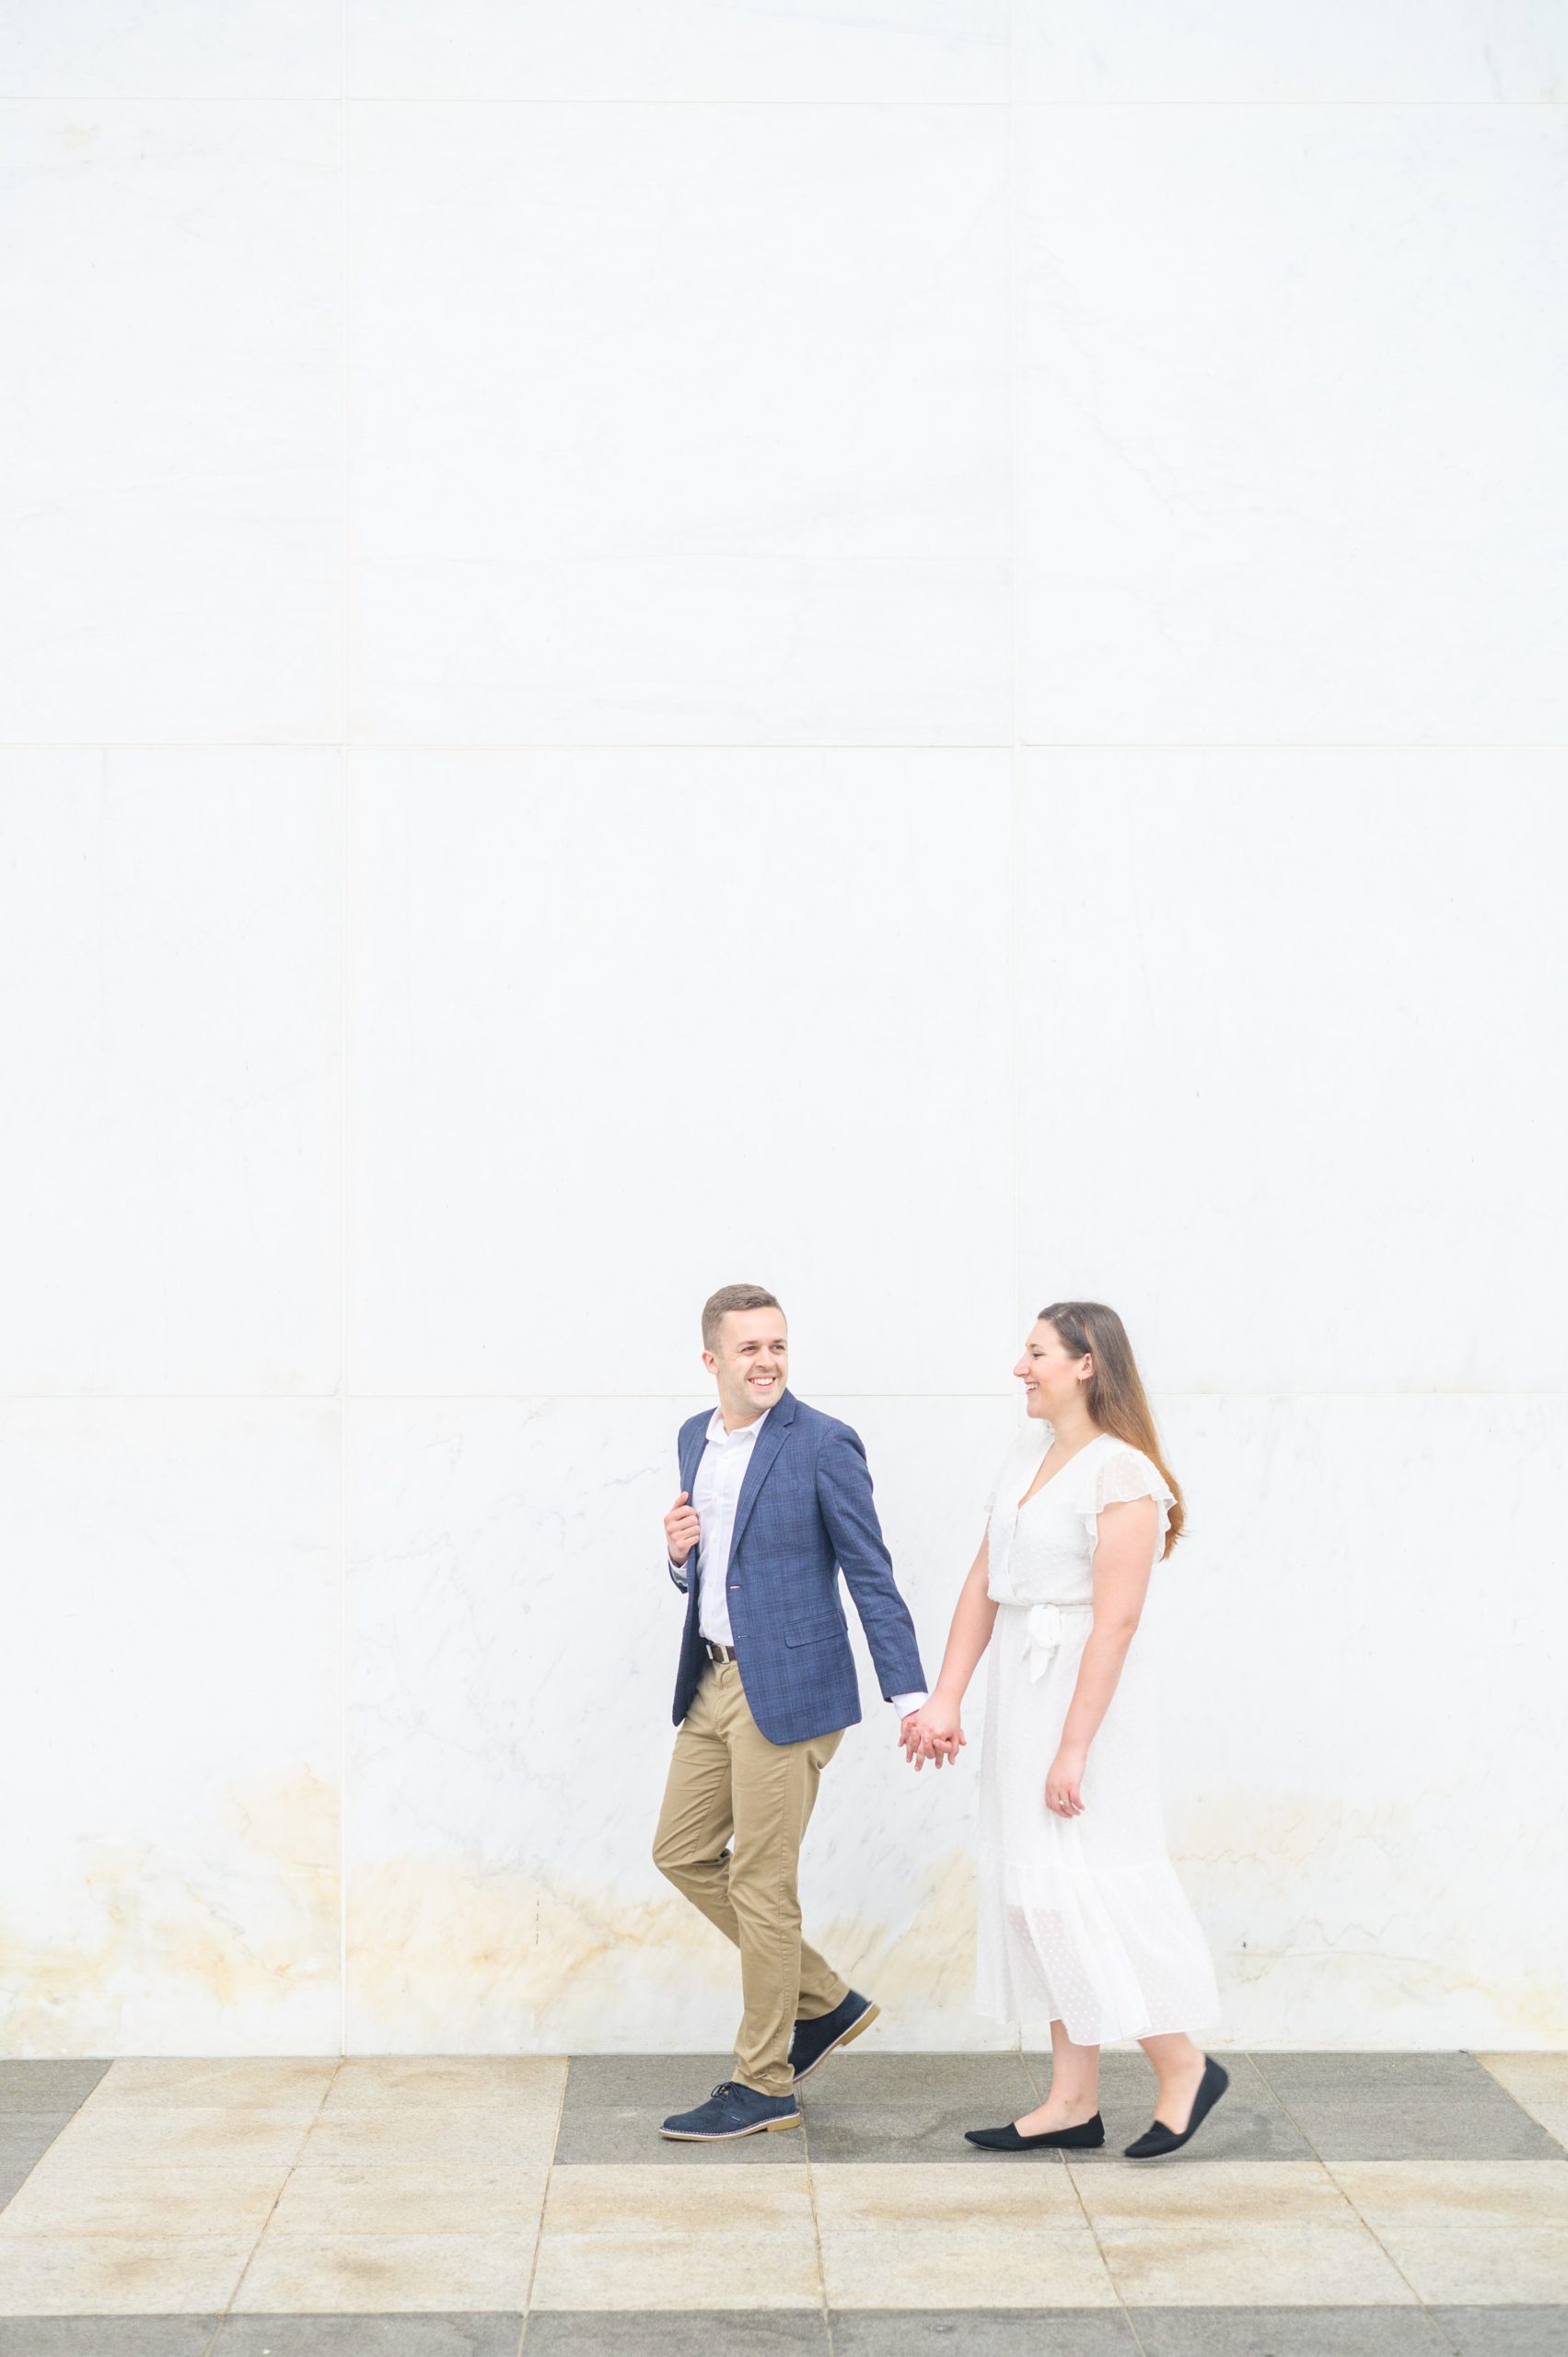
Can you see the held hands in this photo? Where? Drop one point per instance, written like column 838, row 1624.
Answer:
column 1064, row 1777
column 932, row 1733
column 681, row 1529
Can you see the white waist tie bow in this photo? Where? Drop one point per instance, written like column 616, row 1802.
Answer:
column 1043, row 1633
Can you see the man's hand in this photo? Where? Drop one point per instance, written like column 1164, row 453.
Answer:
column 932, row 1733
column 681, row 1529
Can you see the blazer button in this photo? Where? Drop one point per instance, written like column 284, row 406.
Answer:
column 735, row 1587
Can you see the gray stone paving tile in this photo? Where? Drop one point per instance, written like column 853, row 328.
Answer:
column 989, row 2332
column 1414, row 2130
column 614, row 2104
column 106, row 2336
column 1250, row 2124
column 1505, row 2332
column 1299, row 2067
column 683, row 2332
column 873, row 2107
column 901, row 2133
column 1288, row 2332
column 47, row 2086
column 918, row 2078
column 493, row 2334
column 1403, row 2108
column 26, row 2136
column 14, row 2175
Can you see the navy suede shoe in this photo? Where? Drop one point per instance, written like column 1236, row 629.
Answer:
column 814, row 2042
column 731, row 2110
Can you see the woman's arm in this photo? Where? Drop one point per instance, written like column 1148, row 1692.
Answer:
column 1124, row 1558
column 937, row 1729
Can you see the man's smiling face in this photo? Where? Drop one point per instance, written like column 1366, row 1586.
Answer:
column 751, row 1362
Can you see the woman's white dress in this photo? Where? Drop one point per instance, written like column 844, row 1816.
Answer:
column 1082, row 1919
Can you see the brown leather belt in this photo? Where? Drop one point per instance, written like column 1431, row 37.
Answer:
column 718, row 1652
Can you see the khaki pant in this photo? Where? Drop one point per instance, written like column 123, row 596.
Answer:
column 726, row 1779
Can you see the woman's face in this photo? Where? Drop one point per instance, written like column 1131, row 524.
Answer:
column 1052, row 1377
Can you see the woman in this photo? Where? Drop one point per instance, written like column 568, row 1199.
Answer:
column 1081, row 1916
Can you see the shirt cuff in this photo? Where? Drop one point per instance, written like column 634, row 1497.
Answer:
column 905, row 1703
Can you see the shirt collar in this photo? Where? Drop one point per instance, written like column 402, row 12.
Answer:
column 742, row 1431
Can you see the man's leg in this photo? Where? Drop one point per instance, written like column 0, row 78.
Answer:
column 773, row 1789
column 697, row 1816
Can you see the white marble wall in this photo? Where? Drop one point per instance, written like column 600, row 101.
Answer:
column 914, row 651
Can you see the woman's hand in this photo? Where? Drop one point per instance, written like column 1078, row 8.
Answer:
column 1063, row 1783
column 933, row 1732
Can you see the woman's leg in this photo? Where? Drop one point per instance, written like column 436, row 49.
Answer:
column 1074, row 2087
column 1178, row 2065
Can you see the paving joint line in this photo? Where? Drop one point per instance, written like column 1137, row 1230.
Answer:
column 817, row 2231
column 345, row 621
column 1072, row 2179
column 1328, row 2168
column 1426, row 2309
column 544, row 2204
column 1524, row 2106
column 305, row 2135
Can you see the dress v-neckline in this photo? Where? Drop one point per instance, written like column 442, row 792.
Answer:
column 1030, row 1495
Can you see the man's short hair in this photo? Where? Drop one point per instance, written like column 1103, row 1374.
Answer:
column 718, row 1305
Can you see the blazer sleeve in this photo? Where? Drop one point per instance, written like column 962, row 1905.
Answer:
column 680, row 1572
column 849, row 1511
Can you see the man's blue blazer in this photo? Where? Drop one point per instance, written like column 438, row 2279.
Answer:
column 804, row 1513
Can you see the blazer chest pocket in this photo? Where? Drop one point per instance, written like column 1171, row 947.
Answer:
column 817, row 1631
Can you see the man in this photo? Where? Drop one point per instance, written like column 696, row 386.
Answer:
column 775, row 1501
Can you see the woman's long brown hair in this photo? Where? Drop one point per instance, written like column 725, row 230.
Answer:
column 1114, row 1394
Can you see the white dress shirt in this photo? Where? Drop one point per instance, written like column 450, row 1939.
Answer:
column 716, row 1493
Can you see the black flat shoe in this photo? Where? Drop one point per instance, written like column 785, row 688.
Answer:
column 1156, row 2141
column 1086, row 2137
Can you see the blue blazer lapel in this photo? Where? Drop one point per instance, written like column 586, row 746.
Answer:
column 770, row 1440
column 691, row 1456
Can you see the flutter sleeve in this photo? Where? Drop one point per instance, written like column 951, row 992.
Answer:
column 1120, row 1476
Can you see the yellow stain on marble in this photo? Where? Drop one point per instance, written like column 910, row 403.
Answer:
column 1267, row 1847
column 924, row 1964
column 435, row 1940
column 257, row 1915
